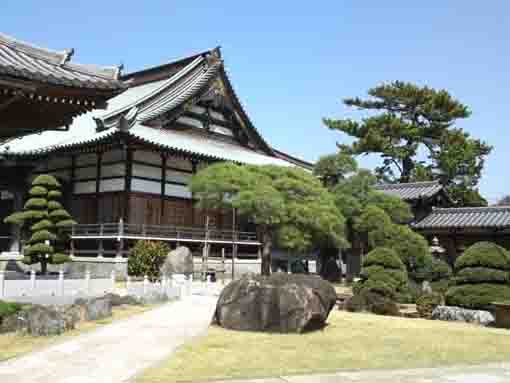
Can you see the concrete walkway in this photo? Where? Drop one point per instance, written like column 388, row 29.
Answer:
column 491, row 373
column 116, row 352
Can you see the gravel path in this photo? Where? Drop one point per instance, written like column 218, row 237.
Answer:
column 116, row 352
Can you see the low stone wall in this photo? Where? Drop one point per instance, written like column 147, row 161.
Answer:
column 241, row 266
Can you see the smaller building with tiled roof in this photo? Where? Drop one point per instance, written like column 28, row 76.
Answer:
column 421, row 196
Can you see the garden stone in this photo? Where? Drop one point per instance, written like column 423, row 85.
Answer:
column 43, row 321
column 153, row 297
column 370, row 301
column 178, row 261
column 278, row 303
column 118, row 300
column 452, row 313
column 95, row 308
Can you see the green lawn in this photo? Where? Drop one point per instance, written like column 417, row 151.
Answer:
column 350, row 341
column 14, row 344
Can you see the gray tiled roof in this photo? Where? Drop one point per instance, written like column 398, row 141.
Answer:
column 468, row 217
column 411, row 191
column 23, row 60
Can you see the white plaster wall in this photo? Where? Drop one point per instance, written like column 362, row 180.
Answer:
column 146, row 171
column 145, row 156
column 112, row 155
column 144, row 186
column 86, row 159
column 175, row 176
column 113, row 170
column 116, row 184
column 85, row 173
column 177, row 191
column 85, row 187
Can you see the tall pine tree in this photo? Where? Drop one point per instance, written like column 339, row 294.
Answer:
column 406, row 120
column 45, row 217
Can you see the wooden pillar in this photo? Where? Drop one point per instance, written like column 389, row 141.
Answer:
column 98, row 183
column 164, row 160
column 127, row 182
column 193, row 171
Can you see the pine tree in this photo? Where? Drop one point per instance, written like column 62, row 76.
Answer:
column 45, row 218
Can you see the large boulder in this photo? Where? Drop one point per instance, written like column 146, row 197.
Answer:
column 452, row 313
column 178, row 261
column 278, row 303
column 120, row 300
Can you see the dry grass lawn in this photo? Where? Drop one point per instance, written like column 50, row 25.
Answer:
column 12, row 344
column 350, row 341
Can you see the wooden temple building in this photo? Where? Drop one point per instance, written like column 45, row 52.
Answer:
column 453, row 228
column 126, row 169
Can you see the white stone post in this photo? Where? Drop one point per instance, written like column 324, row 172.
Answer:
column 32, row 280
column 61, row 283
column 112, row 280
column 2, row 283
column 128, row 283
column 145, row 284
column 87, row 281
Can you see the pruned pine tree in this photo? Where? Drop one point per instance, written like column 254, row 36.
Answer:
column 44, row 217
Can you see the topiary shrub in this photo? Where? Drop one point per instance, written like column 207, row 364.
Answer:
column 482, row 277
column 146, row 258
column 382, row 273
column 45, row 217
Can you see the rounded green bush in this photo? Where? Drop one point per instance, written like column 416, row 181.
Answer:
column 38, row 191
column 484, row 254
column 384, row 257
column 60, row 214
column 8, row 308
column 38, row 249
column 477, row 296
column 59, row 258
column 55, row 194
column 481, row 275
column 432, row 299
column 46, row 180
column 146, row 258
column 54, row 205
column 45, row 224
column 41, row 236
column 66, row 222
column 36, row 203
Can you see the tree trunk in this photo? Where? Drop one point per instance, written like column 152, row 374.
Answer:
column 407, row 168
column 267, row 243
column 44, row 267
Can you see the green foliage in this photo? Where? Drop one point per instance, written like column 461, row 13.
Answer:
column 146, row 258
column 38, row 191
column 38, row 249
column 439, row 270
column 289, row 205
column 383, row 257
column 8, row 308
column 55, row 205
column 432, row 299
column 482, row 277
column 66, row 222
column 334, row 167
column 384, row 273
column 36, row 203
column 45, row 224
column 46, row 181
column 479, row 296
column 45, row 216
column 59, row 258
column 484, row 254
column 42, row 236
column 54, row 194
column 412, row 120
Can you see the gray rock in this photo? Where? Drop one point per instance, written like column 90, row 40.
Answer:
column 425, row 287
column 278, row 303
column 153, row 297
column 42, row 320
column 178, row 261
column 95, row 308
column 118, row 300
column 452, row 313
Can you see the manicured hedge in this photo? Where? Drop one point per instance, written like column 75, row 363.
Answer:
column 8, row 308
column 384, row 273
column 477, row 296
column 482, row 277
column 484, row 254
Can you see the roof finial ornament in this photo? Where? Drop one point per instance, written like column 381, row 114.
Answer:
column 68, row 53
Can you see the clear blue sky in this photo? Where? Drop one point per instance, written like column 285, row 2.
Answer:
column 293, row 62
